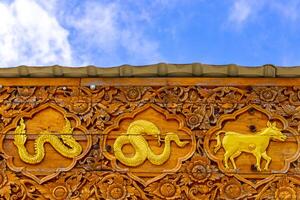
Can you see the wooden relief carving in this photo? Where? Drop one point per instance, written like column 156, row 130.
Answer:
column 148, row 138
column 236, row 143
column 38, row 138
column 72, row 149
column 251, row 145
column 150, row 142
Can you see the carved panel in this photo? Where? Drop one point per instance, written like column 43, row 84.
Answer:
column 148, row 138
column 242, row 142
column 116, row 144
column 49, row 134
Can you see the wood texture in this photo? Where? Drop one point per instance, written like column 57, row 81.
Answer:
column 194, row 109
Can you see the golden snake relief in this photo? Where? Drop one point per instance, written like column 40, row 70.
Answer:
column 66, row 144
column 235, row 143
column 142, row 149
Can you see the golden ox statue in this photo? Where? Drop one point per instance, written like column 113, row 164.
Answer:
column 235, row 143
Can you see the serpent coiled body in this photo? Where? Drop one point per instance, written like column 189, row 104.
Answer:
column 66, row 144
column 142, row 149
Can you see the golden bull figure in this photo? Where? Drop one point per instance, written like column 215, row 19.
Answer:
column 235, row 143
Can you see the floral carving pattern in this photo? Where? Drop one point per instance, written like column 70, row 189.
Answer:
column 93, row 177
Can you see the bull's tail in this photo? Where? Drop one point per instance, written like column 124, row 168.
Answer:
column 218, row 145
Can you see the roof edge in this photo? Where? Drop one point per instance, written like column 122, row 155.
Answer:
column 155, row 70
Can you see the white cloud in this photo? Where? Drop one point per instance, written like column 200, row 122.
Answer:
column 96, row 24
column 29, row 35
column 38, row 32
column 242, row 11
column 287, row 9
column 113, row 32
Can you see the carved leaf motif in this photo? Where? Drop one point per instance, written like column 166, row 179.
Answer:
column 112, row 108
column 86, row 192
column 134, row 193
column 185, row 179
column 152, row 187
column 5, row 192
column 198, row 178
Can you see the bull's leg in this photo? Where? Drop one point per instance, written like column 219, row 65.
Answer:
column 226, row 156
column 236, row 154
column 268, row 159
column 258, row 158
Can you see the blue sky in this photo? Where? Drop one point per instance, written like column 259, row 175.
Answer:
column 140, row 32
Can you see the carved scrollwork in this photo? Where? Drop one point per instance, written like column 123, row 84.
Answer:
column 28, row 151
column 139, row 143
column 100, row 115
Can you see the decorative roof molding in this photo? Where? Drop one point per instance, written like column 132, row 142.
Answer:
column 155, row 70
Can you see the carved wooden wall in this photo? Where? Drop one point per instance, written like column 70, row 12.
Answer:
column 138, row 138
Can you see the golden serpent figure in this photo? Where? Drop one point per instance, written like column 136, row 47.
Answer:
column 66, row 145
column 142, row 149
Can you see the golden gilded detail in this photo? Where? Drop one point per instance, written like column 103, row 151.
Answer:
column 235, row 143
column 143, row 151
column 66, row 144
column 196, row 112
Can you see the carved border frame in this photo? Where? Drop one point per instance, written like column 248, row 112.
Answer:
column 234, row 116
column 182, row 127
column 13, row 125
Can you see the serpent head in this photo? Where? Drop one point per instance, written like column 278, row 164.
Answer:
column 20, row 133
